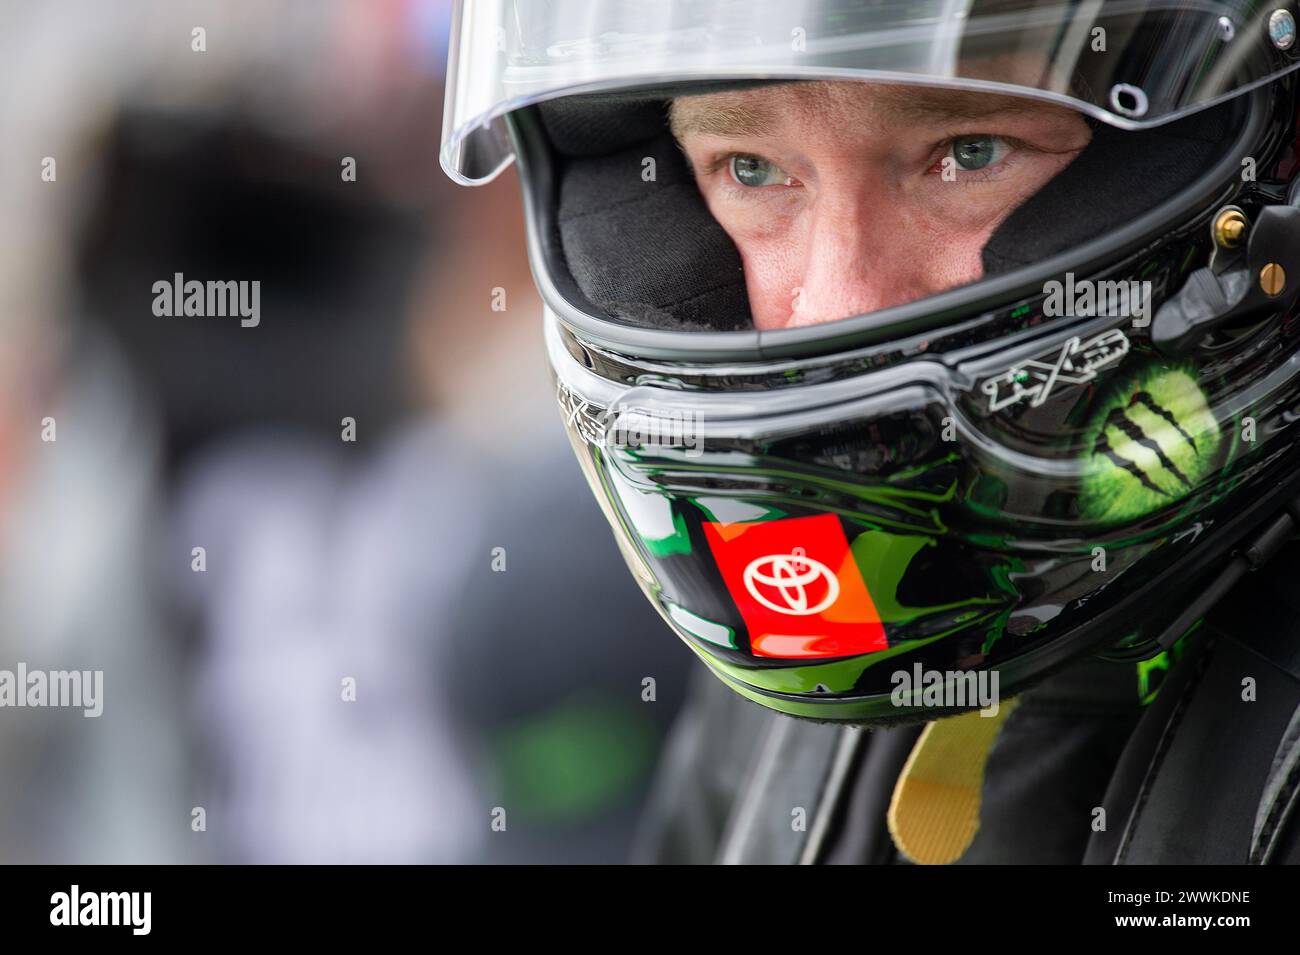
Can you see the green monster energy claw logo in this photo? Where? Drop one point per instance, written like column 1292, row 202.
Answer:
column 1150, row 441
column 1118, row 418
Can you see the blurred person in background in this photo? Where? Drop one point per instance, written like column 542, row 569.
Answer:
column 79, row 496
column 324, row 559
column 564, row 703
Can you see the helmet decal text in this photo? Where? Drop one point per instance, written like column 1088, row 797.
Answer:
column 1076, row 363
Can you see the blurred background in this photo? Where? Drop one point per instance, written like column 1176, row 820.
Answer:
column 448, row 560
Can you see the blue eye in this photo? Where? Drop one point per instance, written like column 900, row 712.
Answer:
column 755, row 172
column 977, row 152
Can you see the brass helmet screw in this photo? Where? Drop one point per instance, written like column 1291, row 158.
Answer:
column 1229, row 228
column 1272, row 279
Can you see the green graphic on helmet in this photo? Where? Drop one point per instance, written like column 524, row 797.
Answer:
column 1150, row 441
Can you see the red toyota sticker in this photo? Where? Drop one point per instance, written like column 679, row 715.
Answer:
column 797, row 586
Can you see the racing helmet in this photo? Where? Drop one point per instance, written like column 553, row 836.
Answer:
column 1065, row 455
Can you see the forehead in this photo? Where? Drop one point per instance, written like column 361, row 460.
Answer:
column 766, row 110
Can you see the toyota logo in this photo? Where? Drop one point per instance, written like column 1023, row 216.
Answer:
column 784, row 582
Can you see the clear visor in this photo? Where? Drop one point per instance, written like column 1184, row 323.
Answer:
column 1128, row 63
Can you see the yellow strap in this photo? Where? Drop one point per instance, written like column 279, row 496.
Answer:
column 935, row 809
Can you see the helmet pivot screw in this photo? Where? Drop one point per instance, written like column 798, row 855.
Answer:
column 1229, row 228
column 1281, row 29
column 1272, row 279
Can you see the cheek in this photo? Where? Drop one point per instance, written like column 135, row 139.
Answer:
column 925, row 255
column 947, row 257
column 957, row 221
column 772, row 279
column 770, row 252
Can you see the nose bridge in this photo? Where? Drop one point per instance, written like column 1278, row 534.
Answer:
column 854, row 262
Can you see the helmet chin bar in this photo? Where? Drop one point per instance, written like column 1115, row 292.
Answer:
column 1247, row 543
column 653, row 499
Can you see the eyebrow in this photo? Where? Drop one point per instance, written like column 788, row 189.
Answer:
column 730, row 121
column 897, row 104
column 942, row 105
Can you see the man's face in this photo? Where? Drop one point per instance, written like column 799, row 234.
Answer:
column 847, row 197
